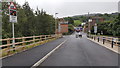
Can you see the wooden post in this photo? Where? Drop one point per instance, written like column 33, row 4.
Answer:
column 40, row 38
column 116, row 42
column 50, row 37
column 23, row 44
column 45, row 38
column 8, row 47
column 33, row 39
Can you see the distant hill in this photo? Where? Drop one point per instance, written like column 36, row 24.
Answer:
column 95, row 14
column 105, row 16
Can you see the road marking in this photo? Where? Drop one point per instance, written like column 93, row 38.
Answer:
column 46, row 56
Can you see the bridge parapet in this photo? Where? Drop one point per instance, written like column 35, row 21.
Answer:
column 24, row 43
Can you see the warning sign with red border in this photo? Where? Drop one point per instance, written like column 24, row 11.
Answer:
column 13, row 13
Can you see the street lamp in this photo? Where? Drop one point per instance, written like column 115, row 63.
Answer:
column 55, row 22
column 90, row 20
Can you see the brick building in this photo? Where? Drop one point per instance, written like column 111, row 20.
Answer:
column 62, row 26
column 88, row 26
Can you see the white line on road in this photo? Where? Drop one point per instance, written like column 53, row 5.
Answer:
column 46, row 56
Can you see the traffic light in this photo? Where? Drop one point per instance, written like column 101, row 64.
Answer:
column 13, row 12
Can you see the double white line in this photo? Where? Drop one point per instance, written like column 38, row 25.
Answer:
column 46, row 56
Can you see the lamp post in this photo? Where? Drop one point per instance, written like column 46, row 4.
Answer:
column 90, row 20
column 55, row 22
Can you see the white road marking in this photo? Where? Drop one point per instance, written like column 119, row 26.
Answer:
column 46, row 56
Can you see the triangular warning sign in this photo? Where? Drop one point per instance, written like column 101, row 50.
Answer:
column 12, row 6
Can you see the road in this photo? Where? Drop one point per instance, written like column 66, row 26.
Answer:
column 81, row 52
column 28, row 58
column 75, row 52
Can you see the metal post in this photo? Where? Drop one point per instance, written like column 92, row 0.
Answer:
column 103, row 40
column 59, row 28
column 13, row 35
column 98, row 39
column 94, row 37
column 55, row 22
column 112, row 43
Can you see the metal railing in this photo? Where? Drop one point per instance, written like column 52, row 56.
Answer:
column 105, row 39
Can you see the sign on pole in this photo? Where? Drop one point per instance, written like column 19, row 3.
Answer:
column 12, row 13
column 13, row 19
column 95, row 29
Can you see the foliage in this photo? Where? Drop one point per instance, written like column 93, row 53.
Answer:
column 77, row 23
column 29, row 23
column 69, row 19
column 103, row 27
column 110, row 26
column 116, row 26
column 70, row 28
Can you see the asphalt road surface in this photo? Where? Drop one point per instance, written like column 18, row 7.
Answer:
column 81, row 52
column 31, row 56
column 75, row 52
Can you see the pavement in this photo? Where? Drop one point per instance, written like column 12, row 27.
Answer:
column 115, row 48
column 74, row 52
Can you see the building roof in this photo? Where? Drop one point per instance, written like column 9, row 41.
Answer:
column 62, row 21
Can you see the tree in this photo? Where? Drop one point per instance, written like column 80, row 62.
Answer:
column 6, row 25
column 116, row 26
column 29, row 23
column 70, row 20
column 77, row 23
column 70, row 28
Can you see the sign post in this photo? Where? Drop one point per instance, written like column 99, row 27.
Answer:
column 95, row 29
column 13, row 19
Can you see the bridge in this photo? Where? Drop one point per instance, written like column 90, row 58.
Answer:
column 60, row 50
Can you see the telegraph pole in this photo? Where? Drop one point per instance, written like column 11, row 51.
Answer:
column 89, row 23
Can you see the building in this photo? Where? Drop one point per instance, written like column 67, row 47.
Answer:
column 85, row 28
column 62, row 26
column 88, row 26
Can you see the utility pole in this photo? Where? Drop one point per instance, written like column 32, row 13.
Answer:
column 89, row 23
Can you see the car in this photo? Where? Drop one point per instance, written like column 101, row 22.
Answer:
column 78, row 34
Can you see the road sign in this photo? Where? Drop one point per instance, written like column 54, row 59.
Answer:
column 13, row 13
column 12, row 6
column 95, row 29
column 13, row 18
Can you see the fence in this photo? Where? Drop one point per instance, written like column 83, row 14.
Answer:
column 23, row 43
column 104, row 39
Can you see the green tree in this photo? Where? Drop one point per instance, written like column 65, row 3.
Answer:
column 77, row 23
column 70, row 20
column 29, row 23
column 116, row 26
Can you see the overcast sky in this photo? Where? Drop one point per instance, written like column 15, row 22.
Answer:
column 73, row 7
